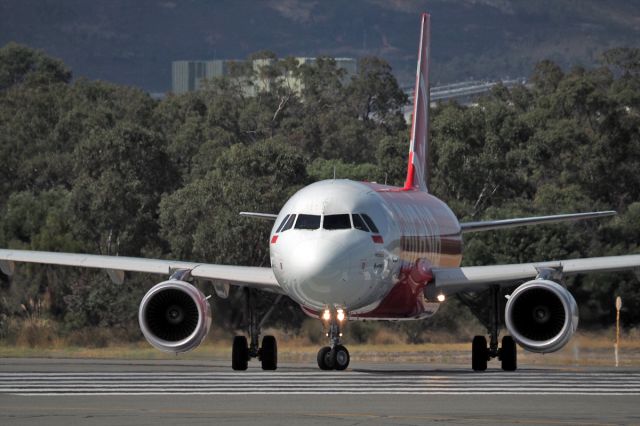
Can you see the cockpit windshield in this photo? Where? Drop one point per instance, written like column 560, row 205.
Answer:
column 282, row 223
column 330, row 222
column 289, row 223
column 336, row 221
column 372, row 225
column 358, row 223
column 308, row 221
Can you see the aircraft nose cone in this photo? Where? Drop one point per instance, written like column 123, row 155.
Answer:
column 319, row 266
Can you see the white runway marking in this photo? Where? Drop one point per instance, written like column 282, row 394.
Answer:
column 319, row 383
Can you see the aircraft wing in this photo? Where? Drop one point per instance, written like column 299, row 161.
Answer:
column 536, row 220
column 473, row 278
column 266, row 216
column 246, row 276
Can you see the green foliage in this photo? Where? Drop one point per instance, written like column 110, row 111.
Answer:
column 20, row 65
column 94, row 301
column 375, row 94
column 95, row 167
column 39, row 221
column 321, row 169
column 201, row 222
column 569, row 143
column 116, row 193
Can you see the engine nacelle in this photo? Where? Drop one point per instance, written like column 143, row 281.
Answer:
column 174, row 316
column 541, row 315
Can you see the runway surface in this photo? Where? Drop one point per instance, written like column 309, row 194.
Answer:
column 60, row 392
column 311, row 383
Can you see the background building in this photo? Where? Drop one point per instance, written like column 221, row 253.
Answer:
column 187, row 76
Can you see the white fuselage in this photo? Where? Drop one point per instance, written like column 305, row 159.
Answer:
column 326, row 258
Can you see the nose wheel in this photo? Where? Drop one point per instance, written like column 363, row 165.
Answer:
column 335, row 356
column 333, row 359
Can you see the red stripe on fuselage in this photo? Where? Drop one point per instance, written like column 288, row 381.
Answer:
column 426, row 233
column 406, row 299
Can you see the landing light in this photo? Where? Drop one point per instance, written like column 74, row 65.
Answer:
column 340, row 315
column 441, row 297
column 326, row 315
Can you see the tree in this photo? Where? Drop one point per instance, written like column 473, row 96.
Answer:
column 625, row 59
column 201, row 220
column 374, row 94
column 22, row 65
column 121, row 175
column 546, row 76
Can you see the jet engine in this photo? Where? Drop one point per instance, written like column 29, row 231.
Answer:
column 174, row 316
column 541, row 315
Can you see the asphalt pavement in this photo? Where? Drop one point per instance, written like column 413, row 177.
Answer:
column 62, row 392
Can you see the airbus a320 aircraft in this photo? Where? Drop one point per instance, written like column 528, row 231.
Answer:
column 348, row 250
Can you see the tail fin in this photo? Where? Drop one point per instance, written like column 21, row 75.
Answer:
column 416, row 173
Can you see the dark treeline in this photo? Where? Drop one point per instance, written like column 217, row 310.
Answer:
column 89, row 166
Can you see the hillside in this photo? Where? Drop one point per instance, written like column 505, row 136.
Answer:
column 134, row 42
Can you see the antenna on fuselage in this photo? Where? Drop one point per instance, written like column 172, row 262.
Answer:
column 334, row 172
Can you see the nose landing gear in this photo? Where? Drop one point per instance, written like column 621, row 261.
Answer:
column 335, row 356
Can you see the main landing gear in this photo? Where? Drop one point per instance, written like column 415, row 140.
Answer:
column 243, row 350
column 480, row 352
column 335, row 356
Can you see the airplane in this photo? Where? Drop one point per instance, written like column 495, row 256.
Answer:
column 346, row 250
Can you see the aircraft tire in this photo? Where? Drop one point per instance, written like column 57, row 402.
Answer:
column 509, row 354
column 324, row 358
column 269, row 353
column 341, row 358
column 479, row 353
column 240, row 353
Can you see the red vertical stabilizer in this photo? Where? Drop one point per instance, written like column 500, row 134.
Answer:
column 416, row 173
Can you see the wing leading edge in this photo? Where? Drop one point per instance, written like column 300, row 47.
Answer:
column 266, row 216
column 536, row 220
column 246, row 276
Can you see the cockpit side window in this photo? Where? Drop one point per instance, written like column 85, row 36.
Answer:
column 372, row 225
column 289, row 223
column 358, row 223
column 282, row 223
column 308, row 221
column 336, row 221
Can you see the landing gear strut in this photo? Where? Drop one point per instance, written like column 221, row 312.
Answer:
column 480, row 352
column 242, row 351
column 335, row 356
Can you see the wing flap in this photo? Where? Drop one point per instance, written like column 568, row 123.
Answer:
column 472, row 278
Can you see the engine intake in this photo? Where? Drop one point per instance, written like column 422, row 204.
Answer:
column 541, row 315
column 174, row 316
